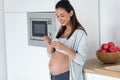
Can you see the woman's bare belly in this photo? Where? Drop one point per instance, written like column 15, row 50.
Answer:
column 59, row 63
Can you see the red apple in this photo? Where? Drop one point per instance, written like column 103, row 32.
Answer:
column 118, row 49
column 111, row 44
column 103, row 51
column 113, row 49
column 104, row 46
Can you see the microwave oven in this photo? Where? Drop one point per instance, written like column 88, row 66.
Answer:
column 40, row 24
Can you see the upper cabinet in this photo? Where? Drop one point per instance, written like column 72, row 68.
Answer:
column 29, row 5
column 40, row 5
column 15, row 5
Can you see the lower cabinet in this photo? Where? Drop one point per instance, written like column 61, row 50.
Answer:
column 91, row 76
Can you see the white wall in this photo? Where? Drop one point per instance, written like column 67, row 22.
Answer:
column 3, row 75
column 87, row 13
column 110, row 21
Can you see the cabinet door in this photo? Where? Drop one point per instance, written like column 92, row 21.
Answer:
column 40, row 5
column 91, row 76
column 15, row 5
column 24, row 62
column 15, row 26
column 29, row 5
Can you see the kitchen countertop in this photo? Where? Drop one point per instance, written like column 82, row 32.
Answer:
column 97, row 67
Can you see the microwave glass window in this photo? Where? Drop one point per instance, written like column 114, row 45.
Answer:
column 39, row 28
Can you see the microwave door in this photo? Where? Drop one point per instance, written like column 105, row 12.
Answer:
column 39, row 29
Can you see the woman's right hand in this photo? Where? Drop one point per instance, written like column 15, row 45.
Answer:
column 47, row 40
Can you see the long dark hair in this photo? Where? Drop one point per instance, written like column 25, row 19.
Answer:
column 65, row 4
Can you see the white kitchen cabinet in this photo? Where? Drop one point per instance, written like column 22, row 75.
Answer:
column 40, row 5
column 29, row 5
column 24, row 62
column 15, row 5
column 90, row 76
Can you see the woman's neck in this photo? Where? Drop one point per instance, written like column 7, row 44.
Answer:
column 67, row 32
column 68, row 28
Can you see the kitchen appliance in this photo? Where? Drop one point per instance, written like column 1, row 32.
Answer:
column 39, row 25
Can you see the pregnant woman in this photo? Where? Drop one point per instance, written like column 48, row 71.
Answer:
column 68, row 48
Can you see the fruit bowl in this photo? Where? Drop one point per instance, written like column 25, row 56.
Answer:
column 108, row 57
column 108, row 53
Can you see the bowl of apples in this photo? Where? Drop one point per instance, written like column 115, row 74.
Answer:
column 108, row 53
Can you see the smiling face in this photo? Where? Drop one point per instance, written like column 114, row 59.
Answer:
column 63, row 16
